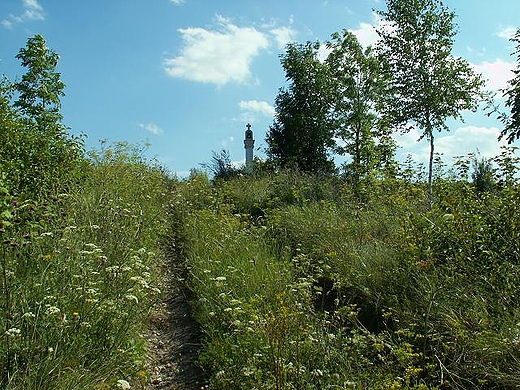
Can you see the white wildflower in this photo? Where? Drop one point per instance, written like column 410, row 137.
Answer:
column 122, row 384
column 51, row 310
column 13, row 332
column 131, row 297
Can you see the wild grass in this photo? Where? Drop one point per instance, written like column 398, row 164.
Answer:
column 79, row 278
column 301, row 284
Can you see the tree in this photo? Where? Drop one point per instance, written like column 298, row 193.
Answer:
column 221, row 165
column 36, row 152
column 357, row 85
column 482, row 175
column 512, row 122
column 302, row 134
column 428, row 84
column 41, row 87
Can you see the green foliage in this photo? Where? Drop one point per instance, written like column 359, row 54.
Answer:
column 428, row 83
column 512, row 122
column 358, row 84
column 221, row 166
column 40, row 88
column 301, row 136
column 297, row 284
column 36, row 153
column 482, row 175
column 79, row 277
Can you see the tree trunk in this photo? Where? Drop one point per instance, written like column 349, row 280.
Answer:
column 430, row 172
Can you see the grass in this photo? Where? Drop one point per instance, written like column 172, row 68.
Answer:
column 297, row 281
column 302, row 286
column 78, row 280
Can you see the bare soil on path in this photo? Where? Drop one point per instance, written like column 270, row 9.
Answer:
column 173, row 337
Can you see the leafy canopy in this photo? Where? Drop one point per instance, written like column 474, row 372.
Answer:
column 41, row 87
column 358, row 84
column 302, row 134
column 428, row 83
column 512, row 122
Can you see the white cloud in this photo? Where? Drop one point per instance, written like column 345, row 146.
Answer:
column 32, row 12
column 507, row 32
column 217, row 56
column 470, row 139
column 225, row 142
column 252, row 109
column 283, row 35
column 177, row 2
column 461, row 142
column 150, row 127
column 366, row 33
column 495, row 73
column 260, row 107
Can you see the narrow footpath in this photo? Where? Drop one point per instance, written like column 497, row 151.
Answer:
column 173, row 338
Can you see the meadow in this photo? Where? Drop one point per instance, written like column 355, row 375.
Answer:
column 304, row 282
column 79, row 275
column 298, row 281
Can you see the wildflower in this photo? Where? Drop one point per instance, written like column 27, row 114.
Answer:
column 122, row 384
column 51, row 310
column 220, row 278
column 13, row 332
column 50, row 350
column 75, row 314
column 132, row 298
column 47, row 256
column 28, row 315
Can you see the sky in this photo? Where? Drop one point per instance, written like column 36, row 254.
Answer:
column 187, row 76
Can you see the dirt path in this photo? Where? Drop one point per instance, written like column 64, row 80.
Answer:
column 174, row 339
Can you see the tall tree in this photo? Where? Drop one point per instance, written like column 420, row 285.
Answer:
column 302, row 134
column 512, row 122
column 41, row 87
column 429, row 84
column 357, row 85
column 38, row 154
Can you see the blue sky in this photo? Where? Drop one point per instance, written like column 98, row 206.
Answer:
column 188, row 75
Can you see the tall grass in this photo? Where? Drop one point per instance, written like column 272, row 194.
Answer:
column 299, row 284
column 79, row 278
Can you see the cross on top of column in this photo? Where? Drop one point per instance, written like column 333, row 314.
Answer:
column 248, row 126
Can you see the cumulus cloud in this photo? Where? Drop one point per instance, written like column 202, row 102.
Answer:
column 177, row 2
column 32, row 12
column 470, row 139
column 460, row 142
column 260, row 107
column 150, row 127
column 252, row 109
column 496, row 73
column 506, row 32
column 218, row 56
column 366, row 33
column 227, row 141
column 283, row 35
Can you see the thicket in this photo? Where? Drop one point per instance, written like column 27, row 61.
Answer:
column 300, row 284
column 80, row 244
column 79, row 277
